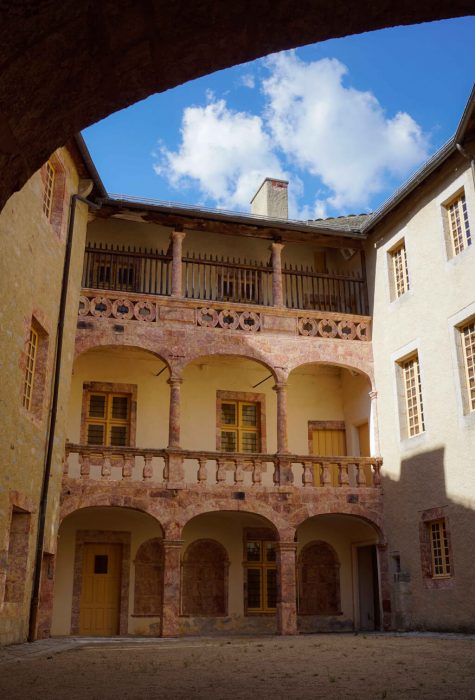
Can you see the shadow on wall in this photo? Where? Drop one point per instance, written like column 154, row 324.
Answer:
column 431, row 542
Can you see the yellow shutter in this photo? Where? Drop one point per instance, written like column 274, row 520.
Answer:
column 327, row 442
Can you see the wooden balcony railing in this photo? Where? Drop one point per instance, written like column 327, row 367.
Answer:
column 306, row 289
column 136, row 270
column 210, row 469
column 222, row 279
column 218, row 279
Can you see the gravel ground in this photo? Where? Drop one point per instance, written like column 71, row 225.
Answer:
column 388, row 666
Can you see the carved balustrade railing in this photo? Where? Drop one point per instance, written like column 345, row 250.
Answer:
column 127, row 306
column 205, row 468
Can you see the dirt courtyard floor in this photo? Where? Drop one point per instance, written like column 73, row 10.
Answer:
column 311, row 666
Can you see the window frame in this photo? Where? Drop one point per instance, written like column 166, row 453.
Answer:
column 397, row 290
column 241, row 398
column 110, row 389
column 431, row 579
column 467, row 371
column 34, row 363
column 457, row 241
column 48, row 191
column 264, row 536
column 406, row 408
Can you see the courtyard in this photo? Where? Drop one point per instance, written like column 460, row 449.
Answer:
column 423, row 666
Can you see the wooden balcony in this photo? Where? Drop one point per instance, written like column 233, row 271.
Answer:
column 190, row 468
column 214, row 279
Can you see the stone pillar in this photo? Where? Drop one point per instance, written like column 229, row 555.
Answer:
column 277, row 290
column 174, row 416
column 177, row 247
column 373, row 424
column 281, row 391
column 174, row 472
column 287, row 587
column 171, row 587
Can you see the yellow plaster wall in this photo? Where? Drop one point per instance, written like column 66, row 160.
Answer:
column 31, row 268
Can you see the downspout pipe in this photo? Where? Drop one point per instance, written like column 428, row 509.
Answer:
column 35, row 594
column 468, row 157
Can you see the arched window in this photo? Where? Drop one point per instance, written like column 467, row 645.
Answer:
column 319, row 580
column 205, row 579
column 149, row 578
column 53, row 175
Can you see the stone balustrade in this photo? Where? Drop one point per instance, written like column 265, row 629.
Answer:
column 189, row 468
column 227, row 317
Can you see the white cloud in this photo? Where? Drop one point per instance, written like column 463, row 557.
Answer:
column 248, row 80
column 226, row 153
column 337, row 133
column 312, row 125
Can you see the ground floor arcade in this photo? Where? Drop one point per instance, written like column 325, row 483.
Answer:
column 118, row 571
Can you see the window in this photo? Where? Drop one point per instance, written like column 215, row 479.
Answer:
column 48, row 189
column 399, row 270
column 239, row 422
column 467, row 334
column 240, row 286
column 261, row 575
column 413, row 395
column 31, row 355
column 108, row 419
column 459, row 227
column 34, row 362
column 439, row 546
column 120, row 275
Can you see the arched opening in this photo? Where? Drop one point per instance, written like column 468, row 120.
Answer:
column 337, row 574
column 329, row 415
column 229, row 574
column 97, row 587
column 156, row 50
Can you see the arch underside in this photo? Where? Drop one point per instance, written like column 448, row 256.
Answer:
column 65, row 67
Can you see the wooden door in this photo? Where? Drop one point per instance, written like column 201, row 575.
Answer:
column 363, row 436
column 100, row 592
column 329, row 442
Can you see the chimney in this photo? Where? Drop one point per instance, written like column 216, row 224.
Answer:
column 271, row 199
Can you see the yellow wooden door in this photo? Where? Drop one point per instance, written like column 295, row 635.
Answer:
column 363, row 436
column 329, row 443
column 100, row 592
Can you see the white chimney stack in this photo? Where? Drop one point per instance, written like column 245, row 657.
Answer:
column 271, row 199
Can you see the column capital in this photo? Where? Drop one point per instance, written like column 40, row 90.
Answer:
column 286, row 546
column 280, row 386
column 173, row 544
column 174, row 380
column 178, row 235
column 276, row 245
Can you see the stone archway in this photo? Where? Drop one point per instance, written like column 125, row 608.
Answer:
column 66, row 67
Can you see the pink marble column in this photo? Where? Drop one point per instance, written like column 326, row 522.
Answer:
column 277, row 290
column 171, row 588
column 174, row 417
column 281, row 391
column 287, row 602
column 177, row 252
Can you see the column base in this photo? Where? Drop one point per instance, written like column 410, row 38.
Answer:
column 286, row 619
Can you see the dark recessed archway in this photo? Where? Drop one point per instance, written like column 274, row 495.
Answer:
column 64, row 66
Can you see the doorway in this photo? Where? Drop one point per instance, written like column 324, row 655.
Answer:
column 368, row 588
column 100, row 590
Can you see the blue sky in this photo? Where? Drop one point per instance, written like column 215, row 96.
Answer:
column 345, row 121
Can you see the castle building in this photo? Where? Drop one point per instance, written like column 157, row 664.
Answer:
column 237, row 423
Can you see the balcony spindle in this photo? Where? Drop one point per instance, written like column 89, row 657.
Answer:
column 307, row 476
column 202, row 470
column 147, row 467
column 106, row 466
